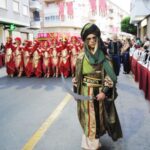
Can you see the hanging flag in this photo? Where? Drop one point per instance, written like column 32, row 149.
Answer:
column 103, row 7
column 69, row 9
column 93, row 6
column 61, row 10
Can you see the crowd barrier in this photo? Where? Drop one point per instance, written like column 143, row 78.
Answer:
column 142, row 76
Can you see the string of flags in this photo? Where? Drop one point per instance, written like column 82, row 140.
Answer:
column 94, row 4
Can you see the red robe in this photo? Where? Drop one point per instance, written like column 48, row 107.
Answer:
column 27, row 57
column 74, row 54
column 37, row 62
column 46, row 65
column 65, row 61
column 18, row 58
column 55, row 59
column 9, row 59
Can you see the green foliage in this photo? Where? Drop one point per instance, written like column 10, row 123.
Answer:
column 127, row 27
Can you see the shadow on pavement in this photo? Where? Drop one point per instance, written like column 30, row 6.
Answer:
column 33, row 82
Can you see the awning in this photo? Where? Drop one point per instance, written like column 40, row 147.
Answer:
column 139, row 10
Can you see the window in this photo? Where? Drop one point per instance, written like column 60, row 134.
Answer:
column 111, row 10
column 15, row 6
column 36, row 15
column 52, row 18
column 25, row 10
column 3, row 4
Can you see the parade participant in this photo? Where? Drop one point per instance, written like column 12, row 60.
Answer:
column 55, row 57
column 95, row 77
column 64, row 64
column 9, row 58
column 36, row 61
column 27, row 57
column 80, row 45
column 46, row 60
column 74, row 53
column 126, row 56
column 18, row 57
column 114, row 49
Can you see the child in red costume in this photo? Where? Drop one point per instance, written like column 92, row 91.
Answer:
column 18, row 57
column 55, row 57
column 37, row 59
column 65, row 59
column 46, row 60
column 27, row 57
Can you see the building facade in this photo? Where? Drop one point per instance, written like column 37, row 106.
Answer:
column 140, row 16
column 58, row 17
column 35, row 9
column 18, row 14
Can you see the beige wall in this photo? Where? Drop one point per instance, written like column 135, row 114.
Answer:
column 145, row 31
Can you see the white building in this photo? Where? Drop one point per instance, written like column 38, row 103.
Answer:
column 140, row 16
column 108, row 23
column 18, row 13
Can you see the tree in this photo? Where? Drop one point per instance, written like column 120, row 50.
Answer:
column 127, row 27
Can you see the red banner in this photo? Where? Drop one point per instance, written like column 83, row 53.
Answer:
column 61, row 10
column 103, row 7
column 93, row 6
column 69, row 9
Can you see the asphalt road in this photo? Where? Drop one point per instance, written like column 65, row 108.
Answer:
column 25, row 104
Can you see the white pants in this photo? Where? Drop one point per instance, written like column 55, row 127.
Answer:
column 90, row 144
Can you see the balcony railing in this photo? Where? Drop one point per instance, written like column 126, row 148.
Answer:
column 92, row 17
column 35, row 5
column 66, row 24
column 35, row 24
column 49, row 1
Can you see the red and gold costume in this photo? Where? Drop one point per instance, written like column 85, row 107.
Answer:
column 27, row 57
column 55, row 57
column 74, row 53
column 18, row 57
column 9, row 58
column 46, row 60
column 37, row 60
column 64, row 60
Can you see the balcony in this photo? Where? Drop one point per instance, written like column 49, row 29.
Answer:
column 92, row 18
column 35, row 24
column 35, row 5
column 110, row 22
column 111, row 15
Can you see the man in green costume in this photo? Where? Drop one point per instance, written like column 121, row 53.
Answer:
column 95, row 77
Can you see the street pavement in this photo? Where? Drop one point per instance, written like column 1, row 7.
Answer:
column 25, row 103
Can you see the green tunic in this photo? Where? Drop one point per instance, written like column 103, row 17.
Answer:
column 96, row 117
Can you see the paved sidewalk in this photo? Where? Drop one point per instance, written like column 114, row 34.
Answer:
column 134, row 113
